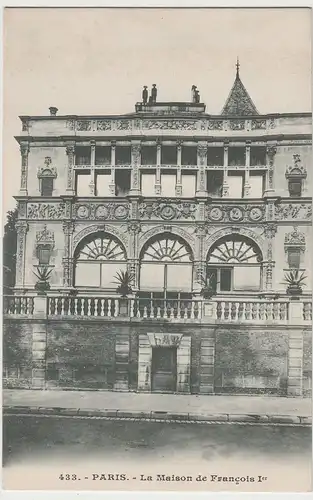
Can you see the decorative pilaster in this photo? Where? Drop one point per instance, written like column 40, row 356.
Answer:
column 21, row 228
column 183, row 365
column 92, row 184
column 295, row 352
column 24, row 149
column 112, row 180
column 179, row 187
column 39, row 343
column 200, row 258
column 134, row 229
column 271, row 150
column 136, row 160
column 157, row 186
column 207, row 355
column 70, row 151
column 269, row 233
column 247, row 186
column 68, row 230
column 225, row 189
column 202, row 152
column 122, row 346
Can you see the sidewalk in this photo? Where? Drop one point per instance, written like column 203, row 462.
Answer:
column 159, row 406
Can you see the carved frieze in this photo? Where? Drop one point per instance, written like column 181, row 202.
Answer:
column 258, row 124
column 234, row 213
column 293, row 211
column 297, row 169
column 237, row 124
column 295, row 238
column 169, row 124
column 46, row 211
column 167, row 211
column 45, row 237
column 101, row 211
column 47, row 170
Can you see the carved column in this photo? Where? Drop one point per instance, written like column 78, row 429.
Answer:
column 202, row 152
column 247, row 186
column 269, row 233
column 92, row 184
column 135, row 173
column 271, row 150
column 112, row 180
column 70, row 151
column 68, row 230
column 225, row 192
column 200, row 258
column 134, row 229
column 22, row 228
column 24, row 149
column 157, row 186
column 179, row 187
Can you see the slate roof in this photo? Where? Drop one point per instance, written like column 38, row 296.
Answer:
column 239, row 103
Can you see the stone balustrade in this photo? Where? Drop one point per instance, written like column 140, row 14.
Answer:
column 216, row 310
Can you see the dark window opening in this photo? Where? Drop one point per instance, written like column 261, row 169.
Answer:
column 220, row 279
column 295, row 187
column 148, row 155
column 215, row 156
column 189, row 155
column 215, row 183
column 236, row 156
column 294, row 258
column 52, row 372
column 46, row 186
column 103, row 155
column 43, row 254
column 83, row 155
column 257, row 155
column 123, row 155
column 169, row 155
column 122, row 182
column 225, row 280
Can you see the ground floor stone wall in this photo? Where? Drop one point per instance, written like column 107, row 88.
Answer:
column 157, row 356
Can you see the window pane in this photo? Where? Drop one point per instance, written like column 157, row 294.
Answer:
column 108, row 273
column 225, row 284
column 235, row 186
column 295, row 188
column 256, row 186
column 168, row 184
column 179, row 277
column 46, row 186
column 43, row 255
column 294, row 258
column 188, row 185
column 147, row 184
column 82, row 184
column 103, row 184
column 152, row 277
column 246, row 278
column 87, row 274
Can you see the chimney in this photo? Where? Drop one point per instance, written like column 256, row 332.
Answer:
column 53, row 111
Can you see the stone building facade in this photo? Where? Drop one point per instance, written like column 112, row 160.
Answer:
column 180, row 199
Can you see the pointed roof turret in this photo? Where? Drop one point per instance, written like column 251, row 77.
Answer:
column 239, row 103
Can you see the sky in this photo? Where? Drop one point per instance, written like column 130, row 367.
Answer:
column 96, row 61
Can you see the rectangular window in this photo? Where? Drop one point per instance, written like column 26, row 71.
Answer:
column 225, row 280
column 122, row 182
column 295, row 188
column 257, row 155
column 123, row 155
column 148, row 155
column 246, row 278
column 215, row 156
column 215, row 183
column 179, row 277
column 168, row 184
column 236, row 156
column 43, row 253
column 188, row 185
column 103, row 155
column 108, row 273
column 103, row 181
column 83, row 155
column 169, row 155
column 189, row 155
column 46, row 186
column 256, row 182
column 87, row 274
column 151, row 277
column 294, row 258
column 147, row 184
column 235, row 183
column 82, row 183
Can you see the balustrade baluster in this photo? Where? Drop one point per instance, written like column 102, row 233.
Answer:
column 62, row 306
column 75, row 306
column 158, row 312
column 108, row 303
column 145, row 312
column 171, row 311
column 116, row 308
column 192, row 310
column 88, row 307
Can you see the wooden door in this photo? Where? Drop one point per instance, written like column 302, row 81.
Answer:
column 164, row 369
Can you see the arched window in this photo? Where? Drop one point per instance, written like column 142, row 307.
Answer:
column 234, row 263
column 97, row 260
column 166, row 265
